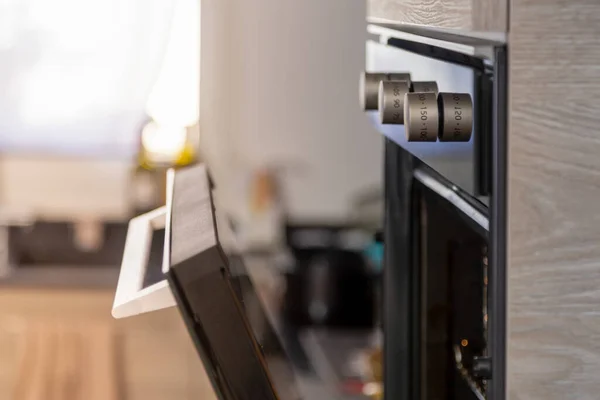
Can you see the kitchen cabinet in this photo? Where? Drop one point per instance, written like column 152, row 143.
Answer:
column 554, row 186
column 480, row 15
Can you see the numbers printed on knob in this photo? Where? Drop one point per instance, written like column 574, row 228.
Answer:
column 426, row 114
column 447, row 116
column 421, row 115
column 369, row 86
column 391, row 101
column 456, row 111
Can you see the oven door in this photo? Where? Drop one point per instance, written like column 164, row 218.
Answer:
column 435, row 284
column 452, row 260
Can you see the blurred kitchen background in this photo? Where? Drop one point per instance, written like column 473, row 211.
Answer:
column 98, row 99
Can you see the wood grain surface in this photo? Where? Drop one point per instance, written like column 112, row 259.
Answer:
column 554, row 209
column 64, row 345
column 489, row 15
column 480, row 15
column 442, row 13
column 62, row 361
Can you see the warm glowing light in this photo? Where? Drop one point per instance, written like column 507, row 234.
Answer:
column 464, row 343
column 164, row 142
column 371, row 389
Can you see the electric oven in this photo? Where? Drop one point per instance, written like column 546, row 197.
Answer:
column 439, row 98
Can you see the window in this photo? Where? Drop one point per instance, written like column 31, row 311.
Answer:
column 76, row 75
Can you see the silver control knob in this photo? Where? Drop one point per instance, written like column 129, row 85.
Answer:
column 391, row 98
column 447, row 116
column 399, row 76
column 369, row 86
column 456, row 117
column 424, row 87
column 422, row 117
column 391, row 101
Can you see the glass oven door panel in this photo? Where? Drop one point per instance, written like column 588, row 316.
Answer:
column 453, row 300
column 218, row 301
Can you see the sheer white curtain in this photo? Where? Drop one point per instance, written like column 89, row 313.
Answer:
column 76, row 75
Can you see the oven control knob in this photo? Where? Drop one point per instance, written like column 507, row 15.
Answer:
column 391, row 98
column 399, row 76
column 424, row 87
column 391, row 101
column 369, row 86
column 447, row 116
column 421, row 116
column 456, row 117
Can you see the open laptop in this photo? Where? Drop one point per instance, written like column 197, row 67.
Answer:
column 196, row 271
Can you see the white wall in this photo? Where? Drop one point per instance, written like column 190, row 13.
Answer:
column 279, row 86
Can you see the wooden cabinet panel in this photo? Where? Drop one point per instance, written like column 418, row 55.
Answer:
column 489, row 15
column 480, row 15
column 554, row 208
column 443, row 13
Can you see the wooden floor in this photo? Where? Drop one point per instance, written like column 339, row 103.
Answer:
column 64, row 345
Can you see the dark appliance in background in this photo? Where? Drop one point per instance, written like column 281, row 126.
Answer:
column 52, row 243
column 444, row 282
column 331, row 282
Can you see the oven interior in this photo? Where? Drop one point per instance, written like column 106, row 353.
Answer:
column 452, row 263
